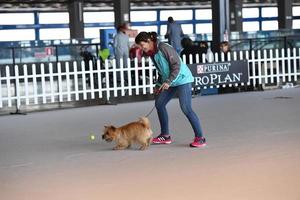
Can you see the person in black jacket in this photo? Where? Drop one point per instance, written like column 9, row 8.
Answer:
column 190, row 49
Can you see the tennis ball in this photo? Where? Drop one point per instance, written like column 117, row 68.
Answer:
column 92, row 137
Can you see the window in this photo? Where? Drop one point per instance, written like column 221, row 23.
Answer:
column 17, row 35
column 54, row 33
column 204, row 14
column 142, row 16
column 94, row 32
column 204, row 28
column 98, row 17
column 145, row 28
column 269, row 25
column 296, row 11
column 16, row 18
column 54, row 18
column 163, row 29
column 250, row 26
column 187, row 28
column 269, row 12
column 176, row 14
column 296, row 24
column 250, row 12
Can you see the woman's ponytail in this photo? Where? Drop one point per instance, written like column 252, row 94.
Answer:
column 153, row 36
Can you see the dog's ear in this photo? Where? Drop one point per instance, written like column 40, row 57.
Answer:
column 113, row 128
column 106, row 128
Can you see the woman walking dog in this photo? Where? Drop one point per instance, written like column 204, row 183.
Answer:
column 174, row 76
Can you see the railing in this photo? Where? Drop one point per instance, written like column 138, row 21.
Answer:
column 71, row 81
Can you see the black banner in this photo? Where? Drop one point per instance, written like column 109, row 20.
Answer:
column 221, row 73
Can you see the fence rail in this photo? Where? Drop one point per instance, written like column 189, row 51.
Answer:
column 73, row 81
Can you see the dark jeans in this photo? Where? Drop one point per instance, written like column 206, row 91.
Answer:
column 185, row 100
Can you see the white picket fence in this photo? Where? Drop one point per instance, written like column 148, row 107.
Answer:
column 70, row 81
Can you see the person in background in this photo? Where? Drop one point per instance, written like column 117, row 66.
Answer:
column 225, row 48
column 189, row 49
column 88, row 58
column 174, row 77
column 203, row 49
column 174, row 34
column 121, row 46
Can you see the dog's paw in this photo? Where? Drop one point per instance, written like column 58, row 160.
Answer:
column 144, row 147
column 119, row 148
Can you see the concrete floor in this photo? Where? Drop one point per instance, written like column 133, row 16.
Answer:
column 253, row 152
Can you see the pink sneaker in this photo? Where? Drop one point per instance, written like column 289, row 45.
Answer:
column 161, row 139
column 198, row 142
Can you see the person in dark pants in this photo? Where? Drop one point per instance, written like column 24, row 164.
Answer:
column 174, row 77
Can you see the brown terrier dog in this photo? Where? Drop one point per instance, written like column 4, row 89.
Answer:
column 136, row 132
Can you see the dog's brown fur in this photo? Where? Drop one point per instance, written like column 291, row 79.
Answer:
column 135, row 132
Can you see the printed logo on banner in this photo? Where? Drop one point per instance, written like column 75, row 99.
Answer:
column 220, row 73
column 213, row 68
column 200, row 69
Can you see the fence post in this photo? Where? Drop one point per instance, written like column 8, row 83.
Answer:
column 144, row 75
column 83, row 74
column 59, row 82
column 91, row 73
column 295, row 63
column 277, row 65
column 17, row 92
column 33, row 66
column 283, row 65
column 43, row 83
column 68, row 81
column 121, row 67
column 75, row 66
column 265, row 67
column 289, row 64
column 99, row 79
column 116, row 76
column 107, row 82
column 271, row 66
column 129, row 81
column 151, row 76
column 137, row 89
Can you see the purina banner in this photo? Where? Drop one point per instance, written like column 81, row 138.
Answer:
column 220, row 73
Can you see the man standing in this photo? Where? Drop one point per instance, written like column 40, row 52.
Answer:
column 174, row 34
column 121, row 45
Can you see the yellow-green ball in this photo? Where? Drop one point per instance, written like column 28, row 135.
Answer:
column 92, row 137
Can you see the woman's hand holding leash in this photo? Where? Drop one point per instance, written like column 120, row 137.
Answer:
column 164, row 86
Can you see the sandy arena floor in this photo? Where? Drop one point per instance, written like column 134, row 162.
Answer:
column 253, row 152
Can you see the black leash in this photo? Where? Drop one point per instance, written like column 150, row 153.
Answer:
column 150, row 111
column 156, row 94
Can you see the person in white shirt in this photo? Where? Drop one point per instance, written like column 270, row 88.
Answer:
column 121, row 46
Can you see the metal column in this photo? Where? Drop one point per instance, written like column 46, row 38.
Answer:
column 76, row 19
column 122, row 12
column 220, row 20
column 236, row 18
column 285, row 14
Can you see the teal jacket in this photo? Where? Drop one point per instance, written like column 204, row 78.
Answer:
column 170, row 67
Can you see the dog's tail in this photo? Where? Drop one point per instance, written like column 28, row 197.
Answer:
column 145, row 121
